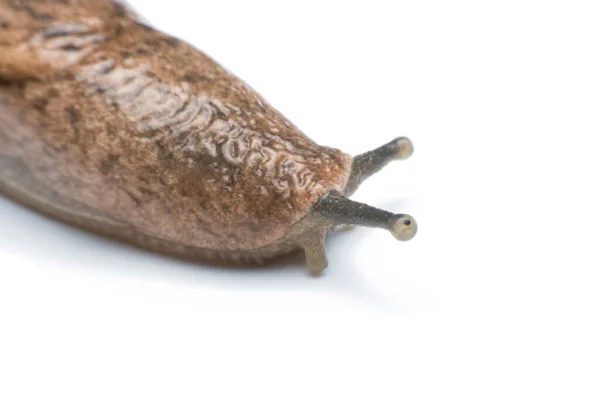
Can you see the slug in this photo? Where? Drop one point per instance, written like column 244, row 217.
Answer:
column 114, row 127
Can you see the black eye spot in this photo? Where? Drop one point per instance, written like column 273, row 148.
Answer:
column 407, row 222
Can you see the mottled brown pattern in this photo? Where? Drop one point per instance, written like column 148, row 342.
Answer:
column 133, row 124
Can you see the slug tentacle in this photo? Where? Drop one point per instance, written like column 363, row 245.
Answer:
column 369, row 163
column 334, row 210
column 341, row 210
column 313, row 244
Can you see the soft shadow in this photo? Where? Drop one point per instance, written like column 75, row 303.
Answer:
column 60, row 248
column 347, row 278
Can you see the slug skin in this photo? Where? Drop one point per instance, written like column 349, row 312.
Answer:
column 113, row 126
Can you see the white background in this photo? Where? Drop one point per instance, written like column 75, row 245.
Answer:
column 498, row 296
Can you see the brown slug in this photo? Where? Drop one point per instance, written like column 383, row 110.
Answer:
column 115, row 127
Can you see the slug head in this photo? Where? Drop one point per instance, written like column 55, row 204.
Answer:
column 335, row 209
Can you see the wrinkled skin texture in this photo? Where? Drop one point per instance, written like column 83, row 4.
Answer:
column 128, row 130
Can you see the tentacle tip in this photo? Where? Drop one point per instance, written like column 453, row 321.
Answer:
column 316, row 268
column 403, row 227
column 404, row 148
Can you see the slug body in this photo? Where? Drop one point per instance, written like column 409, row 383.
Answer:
column 110, row 125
